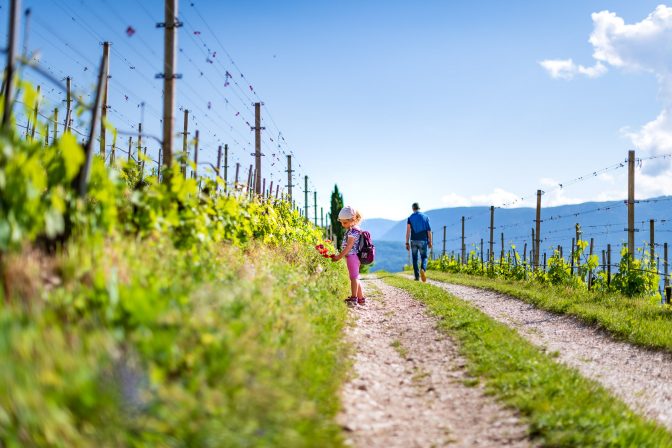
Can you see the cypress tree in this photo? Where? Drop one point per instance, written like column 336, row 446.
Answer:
column 336, row 206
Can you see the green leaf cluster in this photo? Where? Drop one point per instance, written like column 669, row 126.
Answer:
column 163, row 313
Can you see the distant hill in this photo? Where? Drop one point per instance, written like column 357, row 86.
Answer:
column 390, row 256
column 603, row 221
column 377, row 227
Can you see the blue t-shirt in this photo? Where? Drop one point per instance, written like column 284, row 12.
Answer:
column 419, row 226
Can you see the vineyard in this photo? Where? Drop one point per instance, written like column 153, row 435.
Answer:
column 619, row 264
column 160, row 284
column 153, row 306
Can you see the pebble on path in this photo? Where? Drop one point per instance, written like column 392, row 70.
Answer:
column 642, row 378
column 410, row 387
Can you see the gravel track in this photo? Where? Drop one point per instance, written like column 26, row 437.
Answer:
column 642, row 378
column 409, row 384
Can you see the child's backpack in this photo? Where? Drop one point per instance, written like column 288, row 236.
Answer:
column 366, row 250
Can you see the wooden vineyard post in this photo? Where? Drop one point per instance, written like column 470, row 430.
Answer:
column 290, row 198
column 666, row 279
column 113, row 151
column 257, row 148
column 544, row 261
column 524, row 252
column 139, row 161
column 481, row 254
column 55, row 125
column 82, row 179
column 194, row 174
column 159, row 164
column 590, row 272
column 572, row 262
column 226, row 167
column 443, row 252
column 68, row 104
column 235, row 183
column 322, row 217
column 15, row 7
column 492, row 236
column 249, row 181
column 254, row 180
column 608, row 265
column 219, row 162
column 142, row 166
column 130, row 148
column 305, row 191
column 464, row 247
column 185, row 143
column 537, row 241
column 315, row 206
column 578, row 238
column 501, row 257
column 169, row 75
column 103, row 107
column 35, row 110
column 652, row 243
column 631, row 205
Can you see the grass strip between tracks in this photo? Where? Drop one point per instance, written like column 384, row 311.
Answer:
column 640, row 321
column 562, row 407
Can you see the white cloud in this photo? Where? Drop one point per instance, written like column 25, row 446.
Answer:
column 555, row 195
column 567, row 69
column 455, row 200
column 605, row 177
column 498, row 197
column 642, row 46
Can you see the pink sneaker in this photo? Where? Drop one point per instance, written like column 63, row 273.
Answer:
column 361, row 301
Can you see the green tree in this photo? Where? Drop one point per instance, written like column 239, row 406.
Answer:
column 336, row 206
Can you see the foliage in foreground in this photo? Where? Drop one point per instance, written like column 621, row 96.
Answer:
column 563, row 408
column 141, row 345
column 152, row 314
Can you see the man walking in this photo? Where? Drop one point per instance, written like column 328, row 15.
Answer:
column 420, row 234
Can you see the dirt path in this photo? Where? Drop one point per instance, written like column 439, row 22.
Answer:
column 640, row 377
column 410, row 387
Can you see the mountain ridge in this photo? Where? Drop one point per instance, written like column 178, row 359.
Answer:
column 605, row 222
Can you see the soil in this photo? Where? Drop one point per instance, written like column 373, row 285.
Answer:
column 410, row 387
column 642, row 378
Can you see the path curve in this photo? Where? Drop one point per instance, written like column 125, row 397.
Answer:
column 640, row 377
column 408, row 387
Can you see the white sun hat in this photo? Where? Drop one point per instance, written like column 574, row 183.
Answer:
column 347, row 212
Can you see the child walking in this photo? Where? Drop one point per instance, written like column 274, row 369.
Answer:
column 349, row 219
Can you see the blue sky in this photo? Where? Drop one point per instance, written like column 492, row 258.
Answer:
column 441, row 102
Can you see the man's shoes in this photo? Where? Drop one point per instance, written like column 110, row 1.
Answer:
column 417, row 279
column 423, row 276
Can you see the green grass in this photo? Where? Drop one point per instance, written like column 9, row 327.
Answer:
column 230, row 347
column 561, row 407
column 396, row 345
column 640, row 321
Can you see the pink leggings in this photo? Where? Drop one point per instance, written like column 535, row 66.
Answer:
column 353, row 265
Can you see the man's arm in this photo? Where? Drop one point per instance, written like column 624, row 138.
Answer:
column 430, row 243
column 408, row 235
